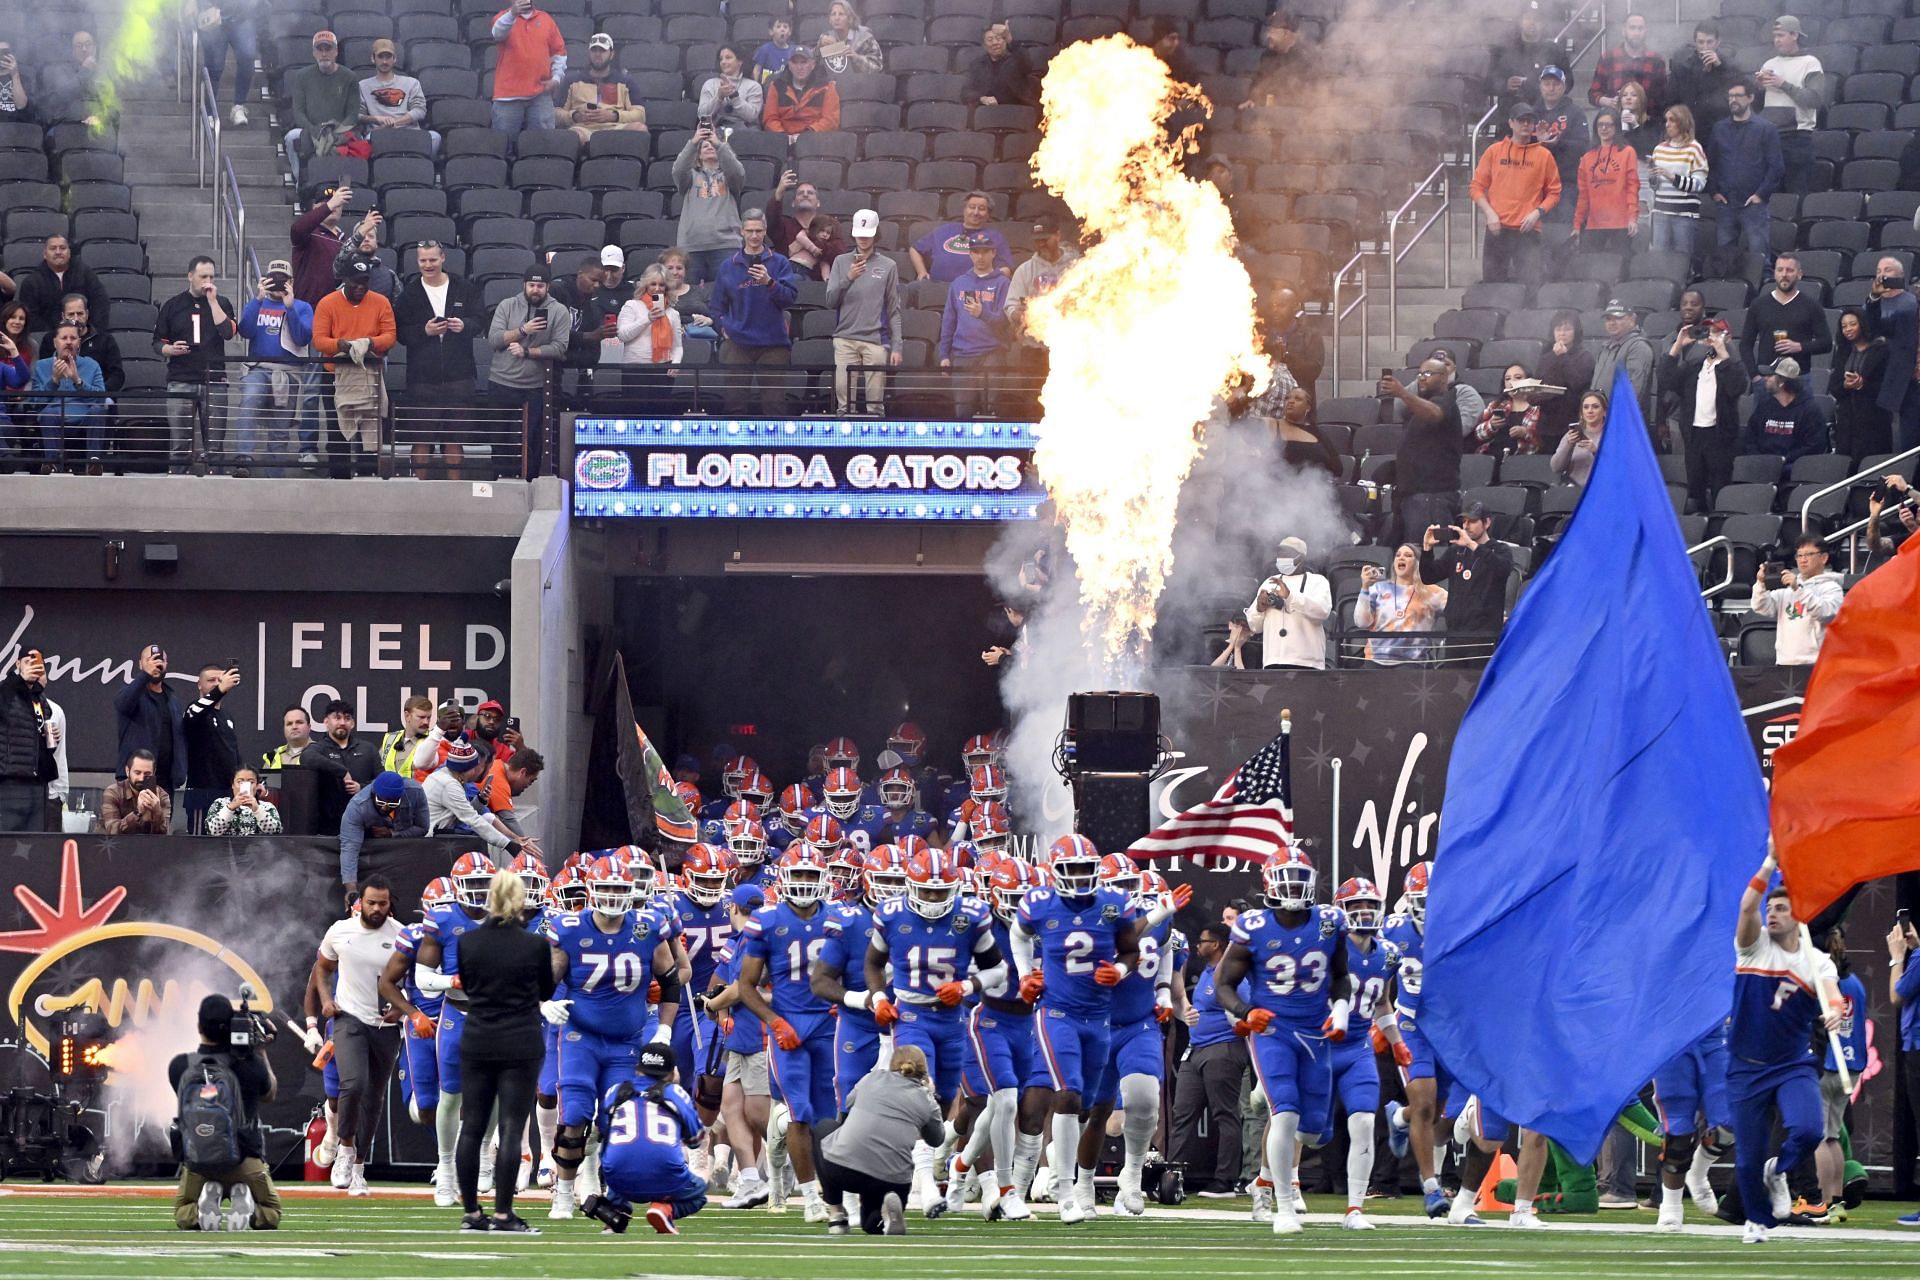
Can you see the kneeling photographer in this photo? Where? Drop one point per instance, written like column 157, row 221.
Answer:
column 217, row 1135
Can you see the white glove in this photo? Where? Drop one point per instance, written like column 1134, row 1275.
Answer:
column 661, row 1034
column 556, row 1012
column 1342, row 1010
column 312, row 1039
column 1162, row 998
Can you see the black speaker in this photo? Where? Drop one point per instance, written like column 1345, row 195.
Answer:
column 1113, row 732
column 1112, row 812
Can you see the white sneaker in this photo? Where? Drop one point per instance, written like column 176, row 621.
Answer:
column 446, row 1186
column 1042, row 1189
column 357, row 1181
column 1754, row 1233
column 240, row 1211
column 1286, row 1222
column 1299, row 1200
column 208, row 1206
column 1528, row 1221
column 341, row 1170
column 238, row 117
column 1672, row 1218
column 1013, row 1208
column 1071, row 1211
column 815, row 1208
column 1356, row 1221
column 1700, row 1187
column 563, row 1206
column 547, row 1174
column 957, row 1180
column 1262, row 1203
column 1777, row 1191
column 750, row 1193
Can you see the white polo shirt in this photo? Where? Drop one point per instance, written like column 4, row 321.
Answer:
column 361, row 954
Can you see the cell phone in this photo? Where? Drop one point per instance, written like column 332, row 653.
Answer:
column 1385, row 374
column 1903, row 918
column 706, row 122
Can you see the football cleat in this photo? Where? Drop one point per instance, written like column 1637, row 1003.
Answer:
column 1299, row 1200
column 1397, row 1130
column 1777, row 1189
column 446, row 1186
column 1262, row 1202
column 1012, row 1207
column 1071, row 1210
column 1437, row 1204
column 1286, row 1222
column 357, row 1181
column 1672, row 1218
column 1356, row 1221
column 562, row 1207
column 1753, row 1233
column 1528, row 1221
column 660, row 1218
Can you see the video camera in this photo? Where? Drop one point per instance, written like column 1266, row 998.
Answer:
column 250, row 1029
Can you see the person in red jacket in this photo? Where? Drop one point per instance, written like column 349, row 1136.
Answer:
column 802, row 98
column 1607, row 214
column 533, row 58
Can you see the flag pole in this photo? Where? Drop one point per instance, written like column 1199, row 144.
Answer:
column 1829, row 992
column 1286, row 757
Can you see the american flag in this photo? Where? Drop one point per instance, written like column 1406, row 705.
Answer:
column 1249, row 817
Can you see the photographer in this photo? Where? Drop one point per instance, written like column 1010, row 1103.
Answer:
column 222, row 1075
column 1290, row 611
column 1894, row 314
column 1474, row 569
column 366, row 1037
column 1805, row 599
column 246, row 812
column 28, row 738
column 653, row 1172
column 136, row 805
column 1710, row 422
column 277, row 328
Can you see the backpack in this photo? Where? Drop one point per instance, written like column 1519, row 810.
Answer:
column 211, row 1115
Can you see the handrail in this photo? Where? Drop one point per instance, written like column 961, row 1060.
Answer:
column 1436, row 182
column 1473, row 162
column 1806, row 508
column 1357, row 263
column 1718, row 540
column 1573, row 20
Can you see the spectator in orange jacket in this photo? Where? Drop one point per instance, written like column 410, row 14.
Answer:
column 1607, row 214
column 358, row 324
column 802, row 98
column 1515, row 185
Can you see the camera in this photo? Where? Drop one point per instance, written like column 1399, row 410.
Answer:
column 1700, row 332
column 1770, row 574
column 250, row 1029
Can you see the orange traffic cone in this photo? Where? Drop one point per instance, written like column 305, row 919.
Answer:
column 1503, row 1167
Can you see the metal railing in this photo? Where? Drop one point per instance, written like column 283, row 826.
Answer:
column 1598, row 10
column 1436, row 183
column 1726, row 584
column 1355, row 268
column 1473, row 161
column 1866, row 473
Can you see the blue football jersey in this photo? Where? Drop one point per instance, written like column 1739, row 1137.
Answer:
column 644, row 1141
column 788, row 943
column 701, row 930
column 848, row 925
column 608, row 973
column 1071, row 940
column 1409, row 945
column 1291, row 963
column 408, row 945
column 1776, row 1002
column 1133, row 999
column 928, row 954
column 445, row 925
column 907, row 822
column 866, row 828
column 714, row 810
column 1370, row 970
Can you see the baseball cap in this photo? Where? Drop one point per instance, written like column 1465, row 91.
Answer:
column 1788, row 23
column 801, row 51
column 1553, row 73
column 1785, row 367
column 536, row 275
column 280, row 267
column 1046, row 222
column 493, row 704
column 384, row 46
column 1474, row 511
column 888, row 759
column 1296, row 545
column 1615, row 307
column 657, row 1061
column 611, row 256
column 980, row 240
column 747, row 897
column 1521, row 111
column 358, row 269
column 866, row 222
column 325, row 37
column 601, row 40
column 389, row 786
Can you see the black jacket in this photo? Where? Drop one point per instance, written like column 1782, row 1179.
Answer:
column 1008, row 81
column 1680, row 377
column 104, row 350
column 447, row 357
column 1476, row 583
column 358, row 760
column 506, row 973
column 213, row 748
column 24, row 753
column 40, row 291
column 151, row 720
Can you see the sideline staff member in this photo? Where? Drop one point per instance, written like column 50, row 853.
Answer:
column 256, row 1205
column 366, row 1041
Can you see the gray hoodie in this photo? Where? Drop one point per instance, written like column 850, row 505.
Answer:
column 510, row 370
column 710, row 208
column 867, row 309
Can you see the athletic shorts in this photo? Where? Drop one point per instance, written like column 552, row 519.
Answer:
column 749, row 1071
column 453, row 1020
column 1833, row 1106
column 1134, row 1049
column 1294, row 1067
column 1073, row 1050
column 590, row 1065
column 419, row 1069
column 804, row 1076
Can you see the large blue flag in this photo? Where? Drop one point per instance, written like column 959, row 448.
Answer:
column 1604, row 810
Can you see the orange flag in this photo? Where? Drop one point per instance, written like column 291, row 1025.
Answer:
column 1846, row 790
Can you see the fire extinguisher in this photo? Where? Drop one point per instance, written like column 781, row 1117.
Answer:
column 316, row 1134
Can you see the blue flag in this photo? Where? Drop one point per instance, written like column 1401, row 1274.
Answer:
column 1603, row 812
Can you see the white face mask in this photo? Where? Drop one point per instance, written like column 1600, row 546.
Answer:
column 1284, row 564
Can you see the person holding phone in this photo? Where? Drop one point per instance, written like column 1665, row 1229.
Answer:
column 148, row 717
column 213, row 748
column 1894, row 314
column 751, row 294
column 1427, row 468
column 246, row 812
column 136, row 805
column 13, row 85
column 863, row 288
column 710, row 178
column 529, row 335
column 1464, row 557
column 277, row 328
column 652, row 343
column 1708, row 415
column 29, row 738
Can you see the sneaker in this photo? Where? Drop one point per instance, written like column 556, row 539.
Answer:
column 514, row 1224
column 1672, row 1218
column 237, row 117
column 1398, row 1132
column 1777, row 1190
column 357, row 1181
column 1262, row 1202
column 311, row 459
column 1528, row 1221
column 1807, row 1214
column 893, row 1215
column 660, row 1218
column 1071, row 1209
column 750, row 1194
column 486, row 1169
column 1908, row 1219
column 1700, row 1187
column 562, row 1206
column 340, row 1170
column 548, row 1173
column 446, row 1186
column 476, row 1221
column 525, row 1176
column 1299, row 1200
column 1619, row 1202
column 1011, row 1207
column 1461, row 1214
column 814, row 1209
column 1437, row 1203
column 1753, row 1233
column 1852, row 1195
column 1836, row 1211
column 208, row 1207
column 240, row 1210
column 1286, row 1222
column 1355, row 1221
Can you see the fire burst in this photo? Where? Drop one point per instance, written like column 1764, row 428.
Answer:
column 1144, row 332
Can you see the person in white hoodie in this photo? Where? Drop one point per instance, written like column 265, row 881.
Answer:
column 1805, row 602
column 1290, row 611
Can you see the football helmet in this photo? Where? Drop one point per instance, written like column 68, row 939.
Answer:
column 898, row 789
column 532, row 873
column 886, row 872
column 1413, row 893
column 1154, row 890
column 841, row 793
column 735, row 773
column 438, row 893
column 742, row 809
column 1008, row 887
column 804, row 875
column 471, row 874
column 1073, row 864
column 568, row 890
column 1363, row 902
column 842, row 754
column 824, row 834
column 756, row 789
column 991, row 828
column 966, row 853
column 1118, row 871
column 747, row 840
column 909, row 742
column 690, row 796
column 794, row 803
column 848, row 867
column 1287, row 880
column 977, row 751
column 640, row 867
column 987, row 782
column 609, row 885
column 934, row 882
column 708, row 872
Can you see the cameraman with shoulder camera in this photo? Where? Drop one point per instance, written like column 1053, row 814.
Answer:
column 221, row 1085
column 1805, row 599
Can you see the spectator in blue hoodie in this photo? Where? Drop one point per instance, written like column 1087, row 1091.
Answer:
column 277, row 328
column 67, row 372
column 1786, row 421
column 973, row 327
column 751, row 293
column 1744, row 169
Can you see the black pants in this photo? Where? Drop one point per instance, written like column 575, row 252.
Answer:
column 1512, row 257
column 1206, row 1115
column 837, row 1180
column 1709, row 463
column 510, row 1082
column 365, row 1056
column 531, row 402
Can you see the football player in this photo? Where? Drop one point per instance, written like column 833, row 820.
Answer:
column 1073, row 943
column 1427, row 1082
column 790, row 818
column 1301, row 1001
column 646, row 1125
column 862, row 824
column 909, row 743
column 900, row 797
column 1000, row 1055
column 419, row 1063
column 608, row 956
column 699, row 903
column 1692, row 1085
column 747, row 842
column 436, row 967
column 781, row 943
column 1371, row 962
column 839, row 974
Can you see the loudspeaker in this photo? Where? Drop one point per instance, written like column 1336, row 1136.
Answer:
column 1112, row 812
column 1113, row 732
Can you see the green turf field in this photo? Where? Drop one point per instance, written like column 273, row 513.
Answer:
column 125, row 1233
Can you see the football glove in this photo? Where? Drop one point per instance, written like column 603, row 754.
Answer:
column 1032, row 986
column 556, row 1012
column 1258, row 1020
column 951, row 993
column 784, row 1035
column 884, row 1014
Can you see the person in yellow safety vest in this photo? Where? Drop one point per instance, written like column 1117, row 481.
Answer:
column 396, row 749
column 298, row 727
